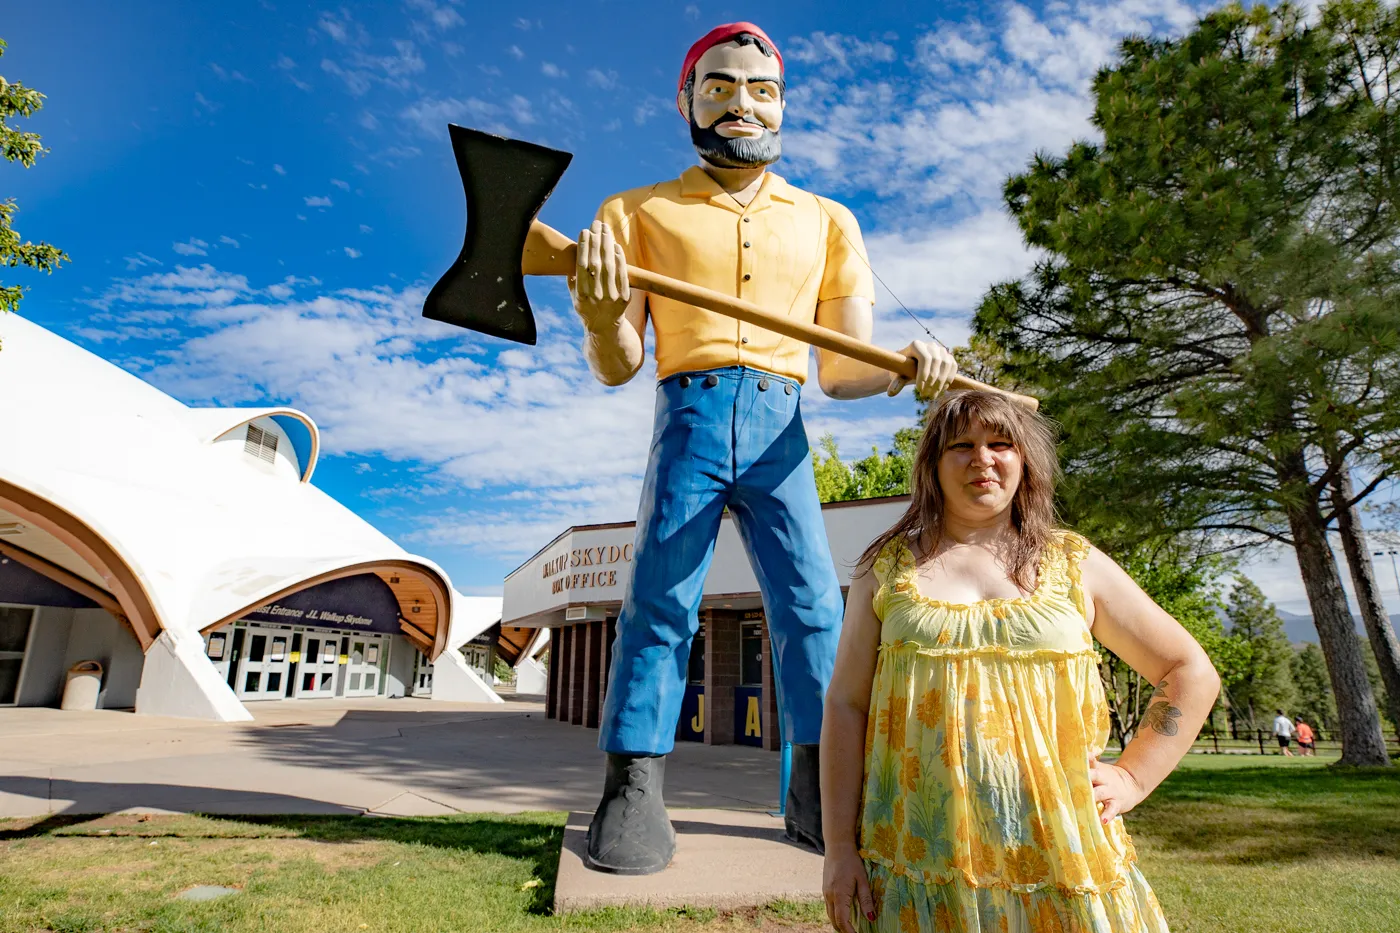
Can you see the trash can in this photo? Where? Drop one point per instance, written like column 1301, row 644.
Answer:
column 84, row 683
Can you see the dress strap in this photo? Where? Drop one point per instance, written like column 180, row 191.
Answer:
column 1075, row 547
column 889, row 568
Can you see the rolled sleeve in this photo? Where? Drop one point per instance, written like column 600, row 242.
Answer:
column 847, row 273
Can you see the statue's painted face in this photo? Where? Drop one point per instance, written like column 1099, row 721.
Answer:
column 736, row 106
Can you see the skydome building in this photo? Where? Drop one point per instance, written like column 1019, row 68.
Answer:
column 186, row 551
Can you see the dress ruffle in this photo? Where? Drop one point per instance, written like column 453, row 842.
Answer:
column 904, row 905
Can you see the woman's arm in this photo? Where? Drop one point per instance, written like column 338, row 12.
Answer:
column 1127, row 622
column 843, row 754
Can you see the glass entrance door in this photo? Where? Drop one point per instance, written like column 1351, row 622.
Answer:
column 262, row 671
column 362, row 671
column 316, row 670
column 422, row 675
column 15, row 622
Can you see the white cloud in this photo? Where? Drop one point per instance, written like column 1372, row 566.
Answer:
column 692, row 12
column 366, row 228
column 516, row 52
column 229, row 241
column 602, row 79
column 551, row 70
column 352, row 252
column 441, row 16
column 279, row 169
column 369, row 121
column 432, row 114
column 317, row 201
column 201, row 286
column 834, row 53
column 342, row 185
column 980, row 99
column 342, row 28
column 947, row 267
column 140, row 260
column 522, row 24
column 191, row 247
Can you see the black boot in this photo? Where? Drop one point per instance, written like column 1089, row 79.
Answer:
column 802, row 816
column 631, row 833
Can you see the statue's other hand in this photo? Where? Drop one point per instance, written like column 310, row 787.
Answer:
column 599, row 283
column 936, row 369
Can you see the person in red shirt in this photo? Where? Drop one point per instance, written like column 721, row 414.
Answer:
column 1306, row 744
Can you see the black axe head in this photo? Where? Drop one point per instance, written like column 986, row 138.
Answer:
column 506, row 182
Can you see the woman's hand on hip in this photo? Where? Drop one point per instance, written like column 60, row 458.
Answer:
column 843, row 881
column 1115, row 789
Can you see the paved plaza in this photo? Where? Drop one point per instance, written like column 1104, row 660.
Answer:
column 386, row 757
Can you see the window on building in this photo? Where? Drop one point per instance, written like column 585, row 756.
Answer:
column 261, row 444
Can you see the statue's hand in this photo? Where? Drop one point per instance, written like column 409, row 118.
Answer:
column 599, row 283
column 936, row 369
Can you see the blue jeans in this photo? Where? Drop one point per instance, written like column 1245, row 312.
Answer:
column 739, row 443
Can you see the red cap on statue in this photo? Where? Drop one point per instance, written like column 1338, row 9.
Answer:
column 718, row 36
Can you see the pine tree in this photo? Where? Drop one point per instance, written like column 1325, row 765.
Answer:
column 1263, row 680
column 1312, row 698
column 1216, row 319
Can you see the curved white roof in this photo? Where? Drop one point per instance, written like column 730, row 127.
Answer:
column 206, row 529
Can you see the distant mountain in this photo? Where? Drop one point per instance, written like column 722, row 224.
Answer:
column 1300, row 627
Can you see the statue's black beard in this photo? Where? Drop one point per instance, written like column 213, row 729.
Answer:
column 740, row 152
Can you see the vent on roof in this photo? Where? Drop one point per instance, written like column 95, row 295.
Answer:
column 261, row 444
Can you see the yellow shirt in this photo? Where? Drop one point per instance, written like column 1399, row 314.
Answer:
column 787, row 251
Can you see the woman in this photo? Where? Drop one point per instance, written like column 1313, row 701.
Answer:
column 967, row 684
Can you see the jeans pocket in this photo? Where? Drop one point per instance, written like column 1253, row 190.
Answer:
column 779, row 399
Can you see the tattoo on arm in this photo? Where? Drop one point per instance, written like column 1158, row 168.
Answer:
column 1161, row 717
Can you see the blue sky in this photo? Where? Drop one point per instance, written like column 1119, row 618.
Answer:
column 256, row 196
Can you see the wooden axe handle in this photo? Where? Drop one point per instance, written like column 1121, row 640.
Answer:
column 549, row 252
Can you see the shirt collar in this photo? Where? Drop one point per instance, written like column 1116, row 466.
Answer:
column 695, row 183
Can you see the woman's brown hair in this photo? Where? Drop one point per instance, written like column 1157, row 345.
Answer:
column 1032, row 507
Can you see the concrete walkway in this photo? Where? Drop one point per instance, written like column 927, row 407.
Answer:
column 389, row 757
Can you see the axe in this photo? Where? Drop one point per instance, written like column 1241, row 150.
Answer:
column 507, row 182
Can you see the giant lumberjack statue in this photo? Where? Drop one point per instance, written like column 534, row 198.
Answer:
column 728, row 428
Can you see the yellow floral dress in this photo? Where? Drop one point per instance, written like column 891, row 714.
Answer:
column 977, row 814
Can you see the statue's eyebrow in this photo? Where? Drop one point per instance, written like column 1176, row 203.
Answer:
column 730, row 79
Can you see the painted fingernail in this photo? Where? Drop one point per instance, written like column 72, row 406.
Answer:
column 870, row 915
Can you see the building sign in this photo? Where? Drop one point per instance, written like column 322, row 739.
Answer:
column 570, row 569
column 361, row 603
column 691, row 726
column 748, row 716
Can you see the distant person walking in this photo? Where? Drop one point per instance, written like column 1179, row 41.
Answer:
column 1283, row 731
column 1306, row 743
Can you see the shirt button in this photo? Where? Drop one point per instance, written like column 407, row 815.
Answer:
column 746, row 244
column 747, row 276
column 746, row 220
column 743, row 340
column 763, row 384
column 711, row 381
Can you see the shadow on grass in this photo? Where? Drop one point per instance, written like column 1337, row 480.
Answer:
column 1261, row 816
column 534, row 839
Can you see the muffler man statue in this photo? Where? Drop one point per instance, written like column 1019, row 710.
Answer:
column 728, row 428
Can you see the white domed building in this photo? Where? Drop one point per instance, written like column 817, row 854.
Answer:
column 187, row 552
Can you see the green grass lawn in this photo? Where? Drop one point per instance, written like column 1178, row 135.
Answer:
column 1218, row 841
